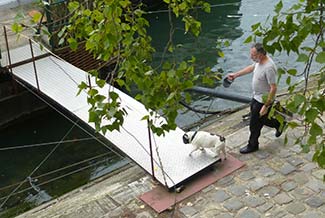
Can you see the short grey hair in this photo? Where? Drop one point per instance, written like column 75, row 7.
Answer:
column 259, row 48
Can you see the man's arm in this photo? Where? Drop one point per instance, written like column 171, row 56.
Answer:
column 241, row 72
column 271, row 95
column 269, row 100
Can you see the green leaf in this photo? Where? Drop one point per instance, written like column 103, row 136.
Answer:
column 248, row 39
column 183, row 6
column 316, row 129
column 61, row 41
column 124, row 4
column 182, row 66
column 288, row 80
column 207, row 81
column 305, row 148
column 17, row 28
column 73, row 5
column 81, row 87
column 188, row 84
column 311, row 115
column 299, row 99
column 221, row 54
column 171, row 48
column 146, row 117
column 286, row 139
column 120, row 82
column 316, row 155
column 321, row 159
column 255, row 26
column 87, row 12
column 104, row 130
column 62, row 31
column 302, row 58
column 320, row 58
column 100, row 98
column 292, row 72
column 73, row 43
column 93, row 117
column 311, row 140
column 278, row 7
column 171, row 96
column 37, row 17
column 101, row 83
column 320, row 104
column 93, row 92
column 206, row 7
column 293, row 124
column 113, row 96
column 280, row 73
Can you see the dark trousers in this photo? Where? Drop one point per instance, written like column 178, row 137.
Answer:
column 256, row 123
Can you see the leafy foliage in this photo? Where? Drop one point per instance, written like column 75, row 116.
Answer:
column 116, row 30
column 288, row 33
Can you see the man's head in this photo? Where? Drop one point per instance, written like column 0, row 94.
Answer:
column 257, row 52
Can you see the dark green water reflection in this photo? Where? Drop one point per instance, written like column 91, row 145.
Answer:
column 66, row 168
column 221, row 23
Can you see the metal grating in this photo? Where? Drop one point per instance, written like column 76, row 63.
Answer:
column 59, row 80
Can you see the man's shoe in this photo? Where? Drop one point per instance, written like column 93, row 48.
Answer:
column 279, row 131
column 246, row 150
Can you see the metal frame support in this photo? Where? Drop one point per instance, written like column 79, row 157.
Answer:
column 34, row 64
column 151, row 153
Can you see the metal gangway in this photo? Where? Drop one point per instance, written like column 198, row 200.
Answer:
column 166, row 158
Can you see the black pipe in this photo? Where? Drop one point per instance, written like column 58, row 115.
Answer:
column 223, row 95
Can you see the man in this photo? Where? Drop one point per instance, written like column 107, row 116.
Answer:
column 264, row 89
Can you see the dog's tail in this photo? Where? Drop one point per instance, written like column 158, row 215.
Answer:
column 221, row 138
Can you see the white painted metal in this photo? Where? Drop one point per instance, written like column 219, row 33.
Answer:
column 21, row 53
column 59, row 80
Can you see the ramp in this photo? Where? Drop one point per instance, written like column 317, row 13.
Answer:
column 59, row 80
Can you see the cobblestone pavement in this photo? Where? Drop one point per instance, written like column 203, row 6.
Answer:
column 278, row 181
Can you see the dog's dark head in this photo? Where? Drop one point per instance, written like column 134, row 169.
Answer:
column 186, row 138
column 189, row 136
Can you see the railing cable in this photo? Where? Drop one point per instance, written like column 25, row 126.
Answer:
column 38, row 166
column 44, row 144
column 59, row 169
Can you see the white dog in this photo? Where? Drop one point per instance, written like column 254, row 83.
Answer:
column 201, row 140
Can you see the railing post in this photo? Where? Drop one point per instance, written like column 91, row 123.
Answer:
column 89, row 83
column 7, row 45
column 14, row 84
column 34, row 65
column 151, row 154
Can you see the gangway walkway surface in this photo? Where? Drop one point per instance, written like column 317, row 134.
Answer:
column 59, row 81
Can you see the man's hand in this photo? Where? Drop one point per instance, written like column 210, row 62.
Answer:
column 244, row 71
column 231, row 76
column 264, row 110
